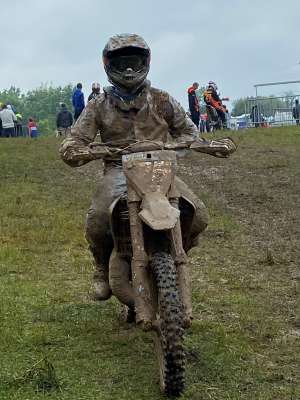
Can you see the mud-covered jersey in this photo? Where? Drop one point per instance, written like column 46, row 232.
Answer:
column 152, row 115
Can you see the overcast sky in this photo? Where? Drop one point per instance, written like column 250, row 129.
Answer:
column 236, row 43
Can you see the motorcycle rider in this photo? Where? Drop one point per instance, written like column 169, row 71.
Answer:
column 212, row 98
column 128, row 110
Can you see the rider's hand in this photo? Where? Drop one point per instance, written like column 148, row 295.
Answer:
column 229, row 146
column 218, row 148
column 75, row 155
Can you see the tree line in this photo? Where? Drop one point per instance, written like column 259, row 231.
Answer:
column 41, row 104
column 268, row 105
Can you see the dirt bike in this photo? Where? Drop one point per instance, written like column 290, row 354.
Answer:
column 214, row 120
column 147, row 269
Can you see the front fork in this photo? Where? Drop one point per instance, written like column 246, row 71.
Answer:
column 183, row 276
column 145, row 314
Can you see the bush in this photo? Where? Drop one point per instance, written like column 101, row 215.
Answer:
column 45, row 127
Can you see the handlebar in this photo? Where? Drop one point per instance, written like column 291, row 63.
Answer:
column 218, row 148
column 140, row 146
column 79, row 156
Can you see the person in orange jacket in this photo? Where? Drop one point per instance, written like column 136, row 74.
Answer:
column 194, row 103
column 212, row 99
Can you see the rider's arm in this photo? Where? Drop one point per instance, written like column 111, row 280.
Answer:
column 74, row 149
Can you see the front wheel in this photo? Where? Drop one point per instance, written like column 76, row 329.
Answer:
column 169, row 335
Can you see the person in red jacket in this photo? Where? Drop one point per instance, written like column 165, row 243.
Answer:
column 32, row 129
column 194, row 104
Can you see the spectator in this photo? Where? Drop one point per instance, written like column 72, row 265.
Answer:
column 19, row 123
column 296, row 111
column 95, row 91
column 78, row 101
column 11, row 107
column 64, row 121
column 228, row 117
column 194, row 104
column 8, row 119
column 32, row 129
column 256, row 116
column 204, row 124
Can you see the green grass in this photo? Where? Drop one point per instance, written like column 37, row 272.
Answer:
column 56, row 343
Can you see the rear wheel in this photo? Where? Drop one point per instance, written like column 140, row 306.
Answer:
column 169, row 339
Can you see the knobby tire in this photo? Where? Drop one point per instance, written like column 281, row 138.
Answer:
column 171, row 334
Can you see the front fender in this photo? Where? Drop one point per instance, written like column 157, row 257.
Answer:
column 157, row 212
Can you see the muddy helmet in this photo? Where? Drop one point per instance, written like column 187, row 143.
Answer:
column 126, row 60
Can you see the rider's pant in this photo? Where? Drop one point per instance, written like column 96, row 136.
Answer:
column 111, row 187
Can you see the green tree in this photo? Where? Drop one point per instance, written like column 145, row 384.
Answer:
column 239, row 107
column 267, row 105
column 12, row 96
column 199, row 94
column 42, row 103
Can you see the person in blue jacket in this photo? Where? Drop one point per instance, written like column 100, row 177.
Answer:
column 78, row 101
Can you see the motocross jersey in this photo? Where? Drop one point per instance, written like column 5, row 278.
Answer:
column 152, row 115
column 212, row 98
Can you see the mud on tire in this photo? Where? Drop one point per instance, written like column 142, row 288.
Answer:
column 170, row 339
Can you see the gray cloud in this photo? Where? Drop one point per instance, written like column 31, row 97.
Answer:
column 236, row 43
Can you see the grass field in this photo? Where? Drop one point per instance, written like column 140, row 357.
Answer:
column 56, row 343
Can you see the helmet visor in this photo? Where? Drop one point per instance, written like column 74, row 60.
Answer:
column 134, row 62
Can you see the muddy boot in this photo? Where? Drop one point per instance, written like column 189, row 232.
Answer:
column 101, row 284
column 101, row 256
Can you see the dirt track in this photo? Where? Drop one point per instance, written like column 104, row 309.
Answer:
column 244, row 342
column 260, row 188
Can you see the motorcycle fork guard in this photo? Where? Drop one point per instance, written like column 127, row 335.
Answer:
column 183, row 276
column 145, row 314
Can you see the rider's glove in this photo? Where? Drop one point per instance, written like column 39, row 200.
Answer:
column 218, row 148
column 76, row 156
